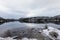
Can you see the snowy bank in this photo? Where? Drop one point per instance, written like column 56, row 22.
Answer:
column 47, row 32
column 15, row 39
column 50, row 32
column 8, row 38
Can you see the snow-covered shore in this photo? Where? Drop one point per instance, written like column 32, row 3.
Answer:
column 51, row 29
column 45, row 32
column 7, row 38
column 15, row 39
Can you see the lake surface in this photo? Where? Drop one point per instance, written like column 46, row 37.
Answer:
column 12, row 25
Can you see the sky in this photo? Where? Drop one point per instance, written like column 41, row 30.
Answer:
column 29, row 8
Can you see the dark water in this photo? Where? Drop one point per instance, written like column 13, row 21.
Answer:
column 12, row 25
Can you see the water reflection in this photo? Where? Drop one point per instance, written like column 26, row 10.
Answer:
column 41, row 20
column 1, row 23
column 11, row 24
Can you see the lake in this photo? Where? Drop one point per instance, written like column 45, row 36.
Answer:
column 12, row 25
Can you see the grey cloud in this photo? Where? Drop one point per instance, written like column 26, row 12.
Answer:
column 20, row 8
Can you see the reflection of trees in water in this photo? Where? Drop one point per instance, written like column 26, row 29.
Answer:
column 58, row 23
column 5, row 22
column 2, row 21
column 39, row 20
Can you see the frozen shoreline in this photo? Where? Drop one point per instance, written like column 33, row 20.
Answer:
column 44, row 32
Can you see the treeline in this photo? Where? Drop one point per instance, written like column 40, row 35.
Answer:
column 42, row 19
column 2, row 20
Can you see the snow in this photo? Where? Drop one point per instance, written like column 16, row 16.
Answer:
column 45, row 32
column 51, row 29
column 15, row 39
column 7, row 38
column 28, row 39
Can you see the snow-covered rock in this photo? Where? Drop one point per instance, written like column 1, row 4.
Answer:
column 51, row 29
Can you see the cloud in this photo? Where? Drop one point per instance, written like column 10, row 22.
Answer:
column 29, row 8
column 46, row 8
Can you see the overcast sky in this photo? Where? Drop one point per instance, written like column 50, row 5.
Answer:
column 29, row 8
